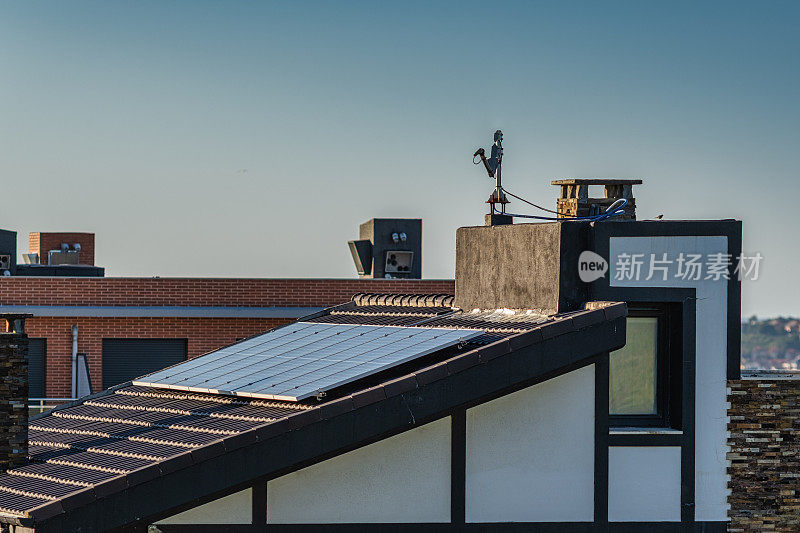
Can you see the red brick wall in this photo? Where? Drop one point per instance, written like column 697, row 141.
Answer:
column 42, row 242
column 203, row 291
column 33, row 243
column 203, row 334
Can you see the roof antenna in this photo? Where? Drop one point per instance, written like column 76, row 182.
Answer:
column 494, row 166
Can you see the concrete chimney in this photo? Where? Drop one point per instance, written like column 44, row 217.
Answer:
column 14, row 392
column 535, row 266
column 521, row 266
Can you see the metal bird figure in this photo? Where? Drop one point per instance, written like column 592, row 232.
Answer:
column 493, row 167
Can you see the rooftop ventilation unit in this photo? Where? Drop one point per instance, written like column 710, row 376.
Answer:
column 59, row 257
column 388, row 248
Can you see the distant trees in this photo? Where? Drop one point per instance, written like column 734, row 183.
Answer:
column 771, row 343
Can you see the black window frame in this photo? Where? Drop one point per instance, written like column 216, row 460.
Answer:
column 669, row 368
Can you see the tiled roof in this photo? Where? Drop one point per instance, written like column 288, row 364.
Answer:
column 404, row 300
column 496, row 320
column 113, row 435
column 402, row 310
column 129, row 435
column 433, row 311
column 370, row 320
column 381, row 315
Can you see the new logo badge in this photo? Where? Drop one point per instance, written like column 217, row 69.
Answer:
column 591, row 266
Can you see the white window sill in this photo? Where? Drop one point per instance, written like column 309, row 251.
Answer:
column 644, row 431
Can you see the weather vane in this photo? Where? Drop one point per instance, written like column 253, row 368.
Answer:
column 493, row 166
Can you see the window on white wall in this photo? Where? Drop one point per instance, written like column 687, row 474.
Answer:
column 634, row 373
column 645, row 375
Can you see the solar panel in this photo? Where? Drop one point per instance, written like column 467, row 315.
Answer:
column 298, row 361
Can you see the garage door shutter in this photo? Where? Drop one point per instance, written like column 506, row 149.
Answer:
column 126, row 359
column 37, row 350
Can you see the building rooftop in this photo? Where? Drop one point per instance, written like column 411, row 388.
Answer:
column 86, row 455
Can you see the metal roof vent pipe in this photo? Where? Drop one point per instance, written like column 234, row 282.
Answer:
column 74, row 362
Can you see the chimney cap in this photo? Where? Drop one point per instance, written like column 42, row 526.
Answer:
column 575, row 200
column 595, row 181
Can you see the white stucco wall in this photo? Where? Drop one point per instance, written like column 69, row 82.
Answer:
column 644, row 484
column 711, row 349
column 530, row 455
column 233, row 509
column 405, row 478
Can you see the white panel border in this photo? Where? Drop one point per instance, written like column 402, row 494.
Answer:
column 644, row 484
column 531, row 454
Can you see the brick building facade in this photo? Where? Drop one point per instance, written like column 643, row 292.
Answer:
column 207, row 312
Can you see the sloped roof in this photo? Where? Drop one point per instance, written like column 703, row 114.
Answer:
column 87, row 455
column 108, row 437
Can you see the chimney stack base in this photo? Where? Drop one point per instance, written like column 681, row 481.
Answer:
column 498, row 220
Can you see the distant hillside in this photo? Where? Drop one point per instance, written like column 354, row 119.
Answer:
column 771, row 344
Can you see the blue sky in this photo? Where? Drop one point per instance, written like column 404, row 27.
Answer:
column 251, row 138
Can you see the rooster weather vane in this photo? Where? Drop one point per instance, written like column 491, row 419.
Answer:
column 494, row 166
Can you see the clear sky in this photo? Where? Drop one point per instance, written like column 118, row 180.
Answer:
column 251, row 138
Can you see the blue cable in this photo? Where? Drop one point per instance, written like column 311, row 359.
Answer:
column 602, row 216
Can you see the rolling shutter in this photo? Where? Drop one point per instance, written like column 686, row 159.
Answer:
column 125, row 359
column 37, row 350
